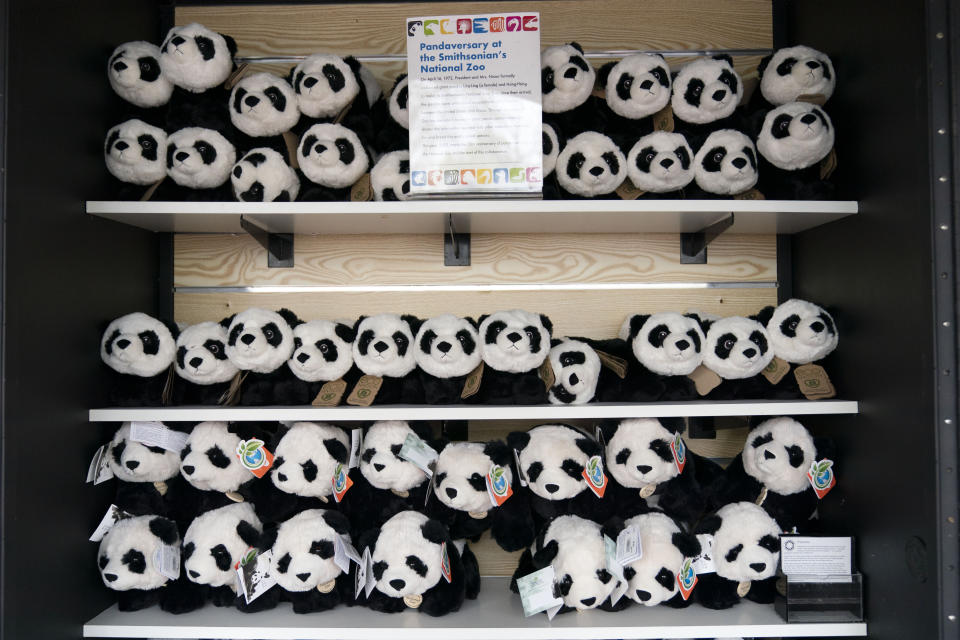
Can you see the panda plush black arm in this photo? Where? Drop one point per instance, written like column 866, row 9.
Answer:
column 686, row 498
column 447, row 597
column 638, row 385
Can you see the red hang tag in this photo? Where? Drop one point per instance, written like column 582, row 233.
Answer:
column 687, row 579
column 341, row 482
column 445, row 562
column 595, row 477
column 254, row 456
column 497, row 485
column 679, row 450
column 821, row 477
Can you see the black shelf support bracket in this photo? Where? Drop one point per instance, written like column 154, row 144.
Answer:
column 693, row 245
column 279, row 246
column 456, row 244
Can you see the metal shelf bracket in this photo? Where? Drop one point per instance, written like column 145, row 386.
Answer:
column 279, row 246
column 456, row 244
column 693, row 245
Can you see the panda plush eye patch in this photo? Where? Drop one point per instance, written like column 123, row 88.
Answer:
column 322, row 548
column 604, row 576
column 572, row 468
column 378, row 569
column 534, row 471
column 570, row 358
column 494, row 330
column 785, row 68
column 629, row 573
column 135, row 561
column 368, row 455
column 417, row 565
column 104, row 561
column 187, row 551
column 623, row 455
column 395, row 450
column 666, row 579
column 148, row 146
column 221, row 557
column 770, row 543
column 118, row 451
column 283, row 564
column 309, row 470
column 477, row 482
column 217, row 457
column 733, row 553
column 565, row 584
column 759, row 441
column 662, row 448
column 692, row 94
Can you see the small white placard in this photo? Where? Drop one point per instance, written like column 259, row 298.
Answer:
column 344, row 553
column 536, row 592
column 356, row 441
column 368, row 564
column 704, row 563
column 99, row 469
column 419, row 453
column 156, row 434
column 113, row 515
column 817, row 559
column 360, row 580
column 629, row 546
column 167, row 559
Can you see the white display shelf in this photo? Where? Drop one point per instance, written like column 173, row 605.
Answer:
column 696, row 408
column 495, row 614
column 478, row 216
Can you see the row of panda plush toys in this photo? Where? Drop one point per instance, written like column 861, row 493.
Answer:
column 554, row 491
column 202, row 130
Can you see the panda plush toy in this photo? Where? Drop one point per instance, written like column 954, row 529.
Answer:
column 635, row 88
column 725, row 165
column 197, row 61
column 737, row 349
column 462, row 501
column 199, row 161
column 660, row 164
column 384, row 348
column 322, row 354
column 259, row 343
column 139, row 352
column 795, row 141
column 574, row 547
column 135, row 75
column 333, row 158
column 134, row 155
column 590, row 165
column 263, row 107
column 514, row 345
column 390, row 177
column 795, row 73
column 746, row 551
column 334, row 89
column 664, row 348
column 447, row 350
column 567, row 81
column 263, row 175
column 391, row 118
column 801, row 333
column 204, row 373
column 417, row 565
column 552, row 143
column 579, row 375
column 706, row 93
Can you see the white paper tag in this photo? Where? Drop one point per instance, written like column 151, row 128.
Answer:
column 629, row 546
column 704, row 563
column 360, row 580
column 599, row 437
column 368, row 564
column 113, row 515
column 419, row 453
column 167, row 559
column 523, row 476
column 344, row 553
column 429, row 491
column 536, row 592
column 618, row 591
column 99, row 470
column 156, row 434
column 253, row 575
column 610, row 551
column 554, row 610
column 356, row 442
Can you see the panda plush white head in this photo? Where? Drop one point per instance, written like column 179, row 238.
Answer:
column 135, row 75
column 801, row 332
column 638, row 85
column 132, row 461
column 262, row 104
column 551, row 148
column 667, row 343
column 332, row 155
column 216, row 541
column 574, row 547
column 384, row 345
column 795, row 135
column 397, row 105
column 326, row 84
column 726, row 164
column 653, row 578
column 390, row 177
column 133, row 152
column 129, row 552
column 706, row 90
column 576, row 367
column 638, row 453
column 138, row 345
column 459, row 479
column 322, row 350
column 746, row 542
column 591, row 164
column 566, row 78
column 736, row 348
column 202, row 354
column 515, row 341
column 778, row 453
column 303, row 548
column 307, row 456
column 380, row 461
column 195, row 58
column 406, row 558
column 552, row 459
column 259, row 340
column 199, row 158
column 792, row 72
column 263, row 175
column 448, row 346
column 660, row 162
column 209, row 460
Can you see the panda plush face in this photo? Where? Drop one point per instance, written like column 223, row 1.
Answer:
column 132, row 461
column 515, row 341
column 380, row 461
column 737, row 348
column 669, row 344
column 405, row 560
column 137, row 345
column 778, row 454
column 397, row 105
column 209, row 460
column 638, row 86
column 638, row 454
column 390, row 177
column 325, row 84
column 576, row 367
column 133, row 152
column 202, row 354
column 263, row 104
column 653, row 578
column 566, row 78
column 322, row 350
column 802, row 332
column 216, row 540
column 196, row 58
column 460, row 476
column 263, row 175
column 447, row 346
column 128, row 553
column 332, row 156
column 385, row 345
column 726, row 164
column 706, row 90
column 795, row 136
column 551, row 149
column 259, row 340
column 304, row 548
column 199, row 158
column 135, row 75
column 746, row 542
column 661, row 162
column 307, row 456
column 591, row 164
column 578, row 561
column 796, row 71
column 552, row 458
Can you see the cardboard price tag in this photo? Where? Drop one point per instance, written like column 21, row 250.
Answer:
column 663, row 119
column 157, row 434
column 821, row 477
column 546, row 374
column 419, row 453
column 814, row 382
column 536, row 592
column 472, row 384
column 344, row 553
column 113, row 515
column 254, row 456
column 775, row 371
column 365, row 391
column 704, row 380
column 828, row 165
column 99, row 469
column 362, row 191
column 498, row 487
column 617, row 365
column 595, row 477
column 752, row 194
column 629, row 191
column 341, row 482
column 330, row 393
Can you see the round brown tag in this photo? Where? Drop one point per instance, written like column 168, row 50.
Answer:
column 648, row 491
column 762, row 497
column 233, row 495
column 326, row 587
column 402, row 494
column 413, row 601
column 743, row 588
column 161, row 487
column 478, row 515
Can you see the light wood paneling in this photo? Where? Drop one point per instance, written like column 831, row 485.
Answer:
column 493, row 560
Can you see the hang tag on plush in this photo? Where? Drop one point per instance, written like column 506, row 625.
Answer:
column 704, row 380
column 344, row 553
column 99, row 469
column 167, row 386
column 752, row 194
column 704, row 562
column 814, row 382
column 648, row 490
column 360, row 579
column 629, row 191
column 546, row 374
column 598, row 435
column 472, row 384
column 254, row 456
column 431, row 485
column 231, row 396
column 761, row 498
column 356, row 443
column 595, row 477
column 498, row 488
column 253, row 575
column 234, row 77
column 679, row 450
column 618, row 591
column 629, row 546
column 413, row 600
column 361, row 191
column 152, row 189
column 365, row 391
column 617, row 365
column 341, row 482
column 775, row 371
column 687, row 579
column 445, row 568
column 610, row 555
column 167, row 560
column 520, row 473
column 828, row 165
column 813, row 98
column 743, row 588
column 113, row 515
column 821, row 477
column 536, row 592
column 157, row 434
column 663, row 119
column 419, row 453
column 330, row 393
column 343, row 113
column 599, row 91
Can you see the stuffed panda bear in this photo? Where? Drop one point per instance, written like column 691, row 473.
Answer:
column 737, row 349
column 567, row 81
column 794, row 142
column 661, row 165
column 663, row 349
column 706, row 93
column 575, row 548
column 138, row 351
column 746, row 550
column 334, row 89
column 333, row 158
column 447, row 350
column 462, row 501
column 796, row 73
column 801, row 333
column 204, row 373
column 199, row 161
column 390, row 177
column 552, row 144
column 590, row 165
column 322, row 353
column 635, row 88
column 259, row 343
column 262, row 108
column 578, row 372
column 725, row 164
column 384, row 348
column 263, row 175
column 391, row 118
column 197, row 61
column 135, row 75
column 514, row 345
column 133, row 153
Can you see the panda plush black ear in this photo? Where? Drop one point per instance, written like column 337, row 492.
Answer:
column 765, row 314
column 825, row 447
column 763, row 65
column 414, row 323
column 231, row 45
column 724, row 57
column 290, row 317
column 397, row 81
column 422, row 430
column 248, row 533
column 608, row 428
column 696, row 317
column 336, row 521
column 576, row 45
column 673, row 425
column 711, row 524
column 612, row 527
column 603, row 73
column 172, row 328
column 518, row 440
column 435, row 532
column 554, row 342
column 498, row 451
column 345, row 332
column 545, row 321
column 688, row 544
column 356, row 325
column 588, row 446
column 226, row 322
column 165, row 529
column 705, row 325
column 545, row 555
column 440, row 444
column 479, row 320
column 636, row 323
column 476, row 325
column 268, row 537
column 337, row 450
column 354, row 64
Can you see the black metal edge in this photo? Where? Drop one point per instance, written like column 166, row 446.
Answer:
column 167, row 11
column 780, row 28
column 4, row 57
column 784, row 267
